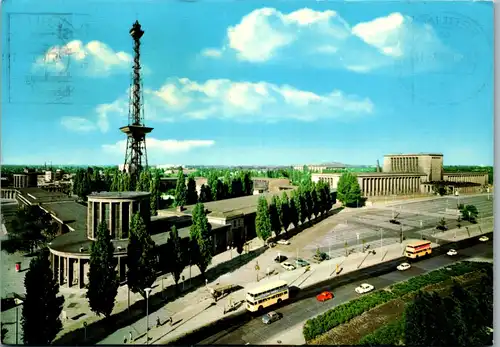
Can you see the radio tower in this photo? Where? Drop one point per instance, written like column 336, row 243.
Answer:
column 136, row 158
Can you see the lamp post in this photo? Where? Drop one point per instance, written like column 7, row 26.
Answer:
column 147, row 290
column 85, row 330
column 17, row 325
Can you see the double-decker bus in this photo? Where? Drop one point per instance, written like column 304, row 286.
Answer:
column 266, row 295
column 418, row 249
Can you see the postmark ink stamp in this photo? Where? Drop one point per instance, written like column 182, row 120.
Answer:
column 439, row 64
column 49, row 78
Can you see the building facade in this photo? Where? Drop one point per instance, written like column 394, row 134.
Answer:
column 408, row 174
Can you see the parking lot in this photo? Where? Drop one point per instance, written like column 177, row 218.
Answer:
column 371, row 227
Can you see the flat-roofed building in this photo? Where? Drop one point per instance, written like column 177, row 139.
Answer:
column 408, row 174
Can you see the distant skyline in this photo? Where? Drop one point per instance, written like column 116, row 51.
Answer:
column 249, row 83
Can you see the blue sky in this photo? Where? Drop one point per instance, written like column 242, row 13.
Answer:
column 248, row 82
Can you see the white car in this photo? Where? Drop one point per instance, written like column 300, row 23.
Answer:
column 283, row 242
column 403, row 266
column 452, row 252
column 287, row 266
column 364, row 288
column 483, row 238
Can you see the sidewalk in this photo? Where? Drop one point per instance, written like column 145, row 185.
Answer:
column 298, row 277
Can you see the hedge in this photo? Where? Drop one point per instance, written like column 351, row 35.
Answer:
column 388, row 335
column 343, row 313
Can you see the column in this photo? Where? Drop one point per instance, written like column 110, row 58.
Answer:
column 110, row 221
column 61, row 270
column 70, row 272
column 371, row 186
column 81, row 281
column 120, row 220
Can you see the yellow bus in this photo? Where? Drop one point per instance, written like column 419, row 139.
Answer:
column 418, row 249
column 266, row 295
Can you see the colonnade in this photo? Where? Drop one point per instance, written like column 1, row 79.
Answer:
column 8, row 193
column 72, row 271
column 479, row 178
column 404, row 164
column 373, row 186
column 20, row 181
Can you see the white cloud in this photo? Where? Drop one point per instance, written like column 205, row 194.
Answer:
column 94, row 58
column 325, row 39
column 159, row 148
column 180, row 99
column 78, row 124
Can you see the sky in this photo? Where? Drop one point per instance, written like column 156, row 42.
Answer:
column 248, row 82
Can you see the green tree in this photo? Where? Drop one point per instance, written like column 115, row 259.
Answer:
column 316, row 203
column 285, row 212
column 274, row 215
column 471, row 315
column 237, row 187
column 309, row 204
column 180, row 189
column 141, row 257
column 348, row 190
column 103, row 277
column 218, row 191
column 154, row 189
column 191, row 195
column 263, row 220
column 433, row 321
column 303, row 206
column 469, row 213
column 205, row 194
column 42, row 306
column 247, row 183
column 143, row 183
column 172, row 259
column 293, row 208
column 201, row 238
column 30, row 229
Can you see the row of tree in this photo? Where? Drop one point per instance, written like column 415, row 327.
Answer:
column 217, row 188
column 307, row 202
column 92, row 180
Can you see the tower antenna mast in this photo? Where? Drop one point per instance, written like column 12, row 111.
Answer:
column 136, row 158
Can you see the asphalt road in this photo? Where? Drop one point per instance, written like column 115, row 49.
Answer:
column 255, row 332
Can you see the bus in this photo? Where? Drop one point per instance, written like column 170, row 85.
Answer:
column 418, row 249
column 266, row 295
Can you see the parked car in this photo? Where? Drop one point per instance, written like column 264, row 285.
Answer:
column 280, row 258
column 288, row 266
column 283, row 242
column 271, row 317
column 301, row 262
column 403, row 266
column 319, row 257
column 483, row 238
column 452, row 252
column 324, row 296
column 364, row 288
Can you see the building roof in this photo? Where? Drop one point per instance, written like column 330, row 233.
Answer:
column 118, row 195
column 66, row 211
column 36, row 195
column 236, row 206
column 413, row 154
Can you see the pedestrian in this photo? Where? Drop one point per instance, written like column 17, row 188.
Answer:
column 130, row 336
column 158, row 322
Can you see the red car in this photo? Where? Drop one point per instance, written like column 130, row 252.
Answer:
column 324, row 296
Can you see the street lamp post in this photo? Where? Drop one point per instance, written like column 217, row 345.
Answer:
column 147, row 290
column 17, row 325
column 85, row 330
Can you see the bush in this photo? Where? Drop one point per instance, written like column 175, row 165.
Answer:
column 390, row 335
column 343, row 313
column 347, row 311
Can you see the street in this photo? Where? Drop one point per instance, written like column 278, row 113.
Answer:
column 255, row 332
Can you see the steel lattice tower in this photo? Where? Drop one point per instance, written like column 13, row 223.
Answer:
column 136, row 158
